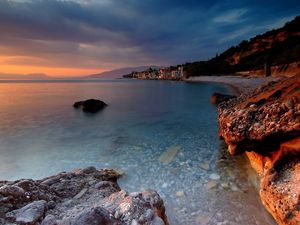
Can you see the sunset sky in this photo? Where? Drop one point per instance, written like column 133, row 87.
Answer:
column 80, row 37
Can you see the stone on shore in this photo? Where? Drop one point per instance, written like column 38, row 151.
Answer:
column 85, row 196
column 265, row 125
column 90, row 105
column 29, row 214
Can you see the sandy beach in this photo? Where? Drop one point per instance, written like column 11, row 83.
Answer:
column 238, row 84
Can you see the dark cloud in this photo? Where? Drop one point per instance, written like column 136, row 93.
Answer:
column 113, row 33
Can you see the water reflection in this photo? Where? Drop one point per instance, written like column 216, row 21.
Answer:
column 41, row 134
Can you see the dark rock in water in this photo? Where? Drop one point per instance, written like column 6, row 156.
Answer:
column 218, row 98
column 90, row 105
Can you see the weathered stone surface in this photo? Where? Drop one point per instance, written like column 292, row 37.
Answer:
column 96, row 216
column 49, row 220
column 90, row 105
column 265, row 125
column 84, row 196
column 262, row 120
column 29, row 214
column 13, row 191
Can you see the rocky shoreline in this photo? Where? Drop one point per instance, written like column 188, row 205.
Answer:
column 84, row 196
column 265, row 124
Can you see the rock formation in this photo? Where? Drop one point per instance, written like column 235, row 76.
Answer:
column 266, row 125
column 82, row 197
column 90, row 105
column 218, row 98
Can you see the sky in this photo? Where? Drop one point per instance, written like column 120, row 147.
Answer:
column 81, row 37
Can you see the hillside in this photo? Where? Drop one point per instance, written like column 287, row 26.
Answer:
column 117, row 73
column 278, row 47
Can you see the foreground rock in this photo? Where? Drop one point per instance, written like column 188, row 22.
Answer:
column 266, row 125
column 90, row 105
column 81, row 197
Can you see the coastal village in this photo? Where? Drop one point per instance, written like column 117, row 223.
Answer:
column 156, row 73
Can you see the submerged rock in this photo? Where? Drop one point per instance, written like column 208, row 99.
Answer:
column 90, row 105
column 168, row 156
column 82, row 197
column 265, row 125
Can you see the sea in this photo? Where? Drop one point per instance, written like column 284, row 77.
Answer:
column 162, row 135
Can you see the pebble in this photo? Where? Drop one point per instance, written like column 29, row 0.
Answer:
column 205, row 166
column 233, row 187
column 211, row 184
column 168, row 156
column 179, row 193
column 214, row 176
column 203, row 220
column 164, row 185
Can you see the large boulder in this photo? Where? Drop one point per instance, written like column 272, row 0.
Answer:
column 266, row 125
column 84, row 196
column 90, row 105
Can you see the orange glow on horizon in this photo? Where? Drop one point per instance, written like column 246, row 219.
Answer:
column 50, row 71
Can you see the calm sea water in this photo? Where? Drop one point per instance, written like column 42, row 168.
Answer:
column 42, row 134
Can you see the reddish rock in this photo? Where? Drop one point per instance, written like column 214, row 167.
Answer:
column 218, row 98
column 266, row 125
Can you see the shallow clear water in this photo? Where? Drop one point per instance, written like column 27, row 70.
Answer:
column 41, row 134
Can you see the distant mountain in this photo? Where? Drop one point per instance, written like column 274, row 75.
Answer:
column 117, row 73
column 33, row 76
column 276, row 48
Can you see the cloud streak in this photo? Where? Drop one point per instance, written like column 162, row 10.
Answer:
column 100, row 35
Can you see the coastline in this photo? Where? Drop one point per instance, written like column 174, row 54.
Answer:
column 237, row 84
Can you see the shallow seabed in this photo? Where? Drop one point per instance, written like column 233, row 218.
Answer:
column 162, row 135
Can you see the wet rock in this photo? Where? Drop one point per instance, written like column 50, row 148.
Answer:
column 214, row 176
column 90, row 105
column 205, row 166
column 179, row 194
column 211, row 184
column 169, row 155
column 218, row 98
column 29, row 214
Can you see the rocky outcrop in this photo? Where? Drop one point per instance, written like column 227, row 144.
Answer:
column 218, row 98
column 82, row 197
column 90, row 105
column 266, row 125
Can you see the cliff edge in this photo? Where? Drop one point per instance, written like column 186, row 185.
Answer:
column 265, row 124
